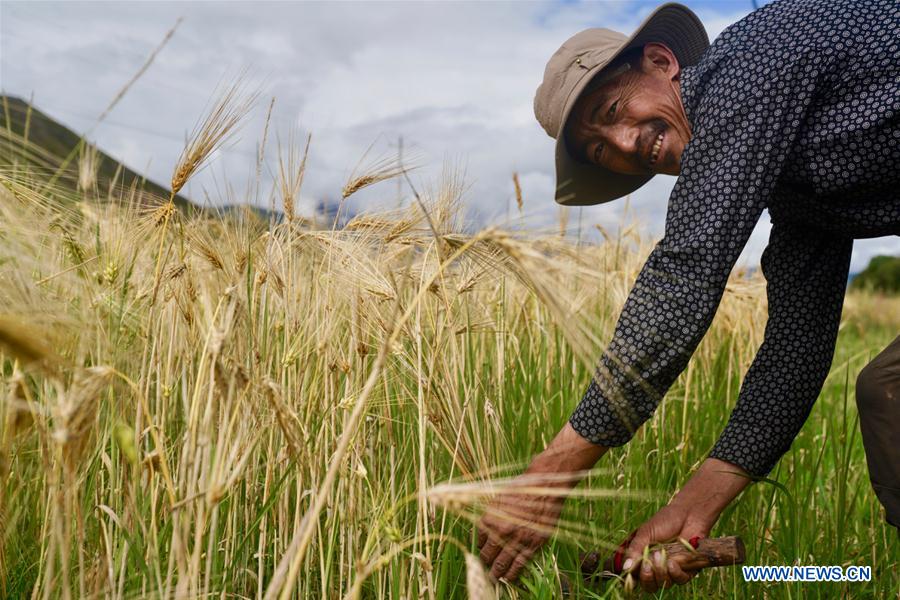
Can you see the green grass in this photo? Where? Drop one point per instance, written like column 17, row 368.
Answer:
column 820, row 510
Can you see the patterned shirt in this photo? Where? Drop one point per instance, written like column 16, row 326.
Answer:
column 794, row 109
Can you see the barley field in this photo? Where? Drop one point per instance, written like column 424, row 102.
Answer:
column 219, row 405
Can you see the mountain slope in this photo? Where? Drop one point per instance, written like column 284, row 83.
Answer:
column 30, row 137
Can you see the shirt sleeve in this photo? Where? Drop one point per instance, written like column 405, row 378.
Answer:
column 745, row 128
column 806, row 275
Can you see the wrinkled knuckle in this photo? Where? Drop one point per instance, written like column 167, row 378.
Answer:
column 500, row 567
column 515, row 570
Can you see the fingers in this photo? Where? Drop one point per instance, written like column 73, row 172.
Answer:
column 506, row 557
column 677, row 574
column 505, row 548
column 660, row 569
column 518, row 564
column 504, row 560
column 660, row 528
column 647, row 578
column 658, row 572
column 498, row 544
column 512, row 528
column 641, row 538
column 493, row 529
column 482, row 535
column 649, row 564
column 491, row 549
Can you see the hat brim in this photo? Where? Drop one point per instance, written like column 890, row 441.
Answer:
column 581, row 184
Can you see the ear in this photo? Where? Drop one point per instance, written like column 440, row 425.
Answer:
column 659, row 60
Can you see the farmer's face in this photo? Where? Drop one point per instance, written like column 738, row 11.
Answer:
column 617, row 124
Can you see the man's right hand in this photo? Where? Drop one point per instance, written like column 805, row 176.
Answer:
column 521, row 518
column 516, row 524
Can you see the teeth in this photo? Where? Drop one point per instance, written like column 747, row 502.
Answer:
column 654, row 152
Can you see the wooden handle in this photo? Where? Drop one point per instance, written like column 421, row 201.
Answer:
column 709, row 552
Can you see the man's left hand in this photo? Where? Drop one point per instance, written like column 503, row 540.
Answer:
column 691, row 513
column 670, row 523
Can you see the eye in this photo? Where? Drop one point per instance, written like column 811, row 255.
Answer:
column 597, row 150
column 612, row 109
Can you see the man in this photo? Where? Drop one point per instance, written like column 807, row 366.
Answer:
column 794, row 109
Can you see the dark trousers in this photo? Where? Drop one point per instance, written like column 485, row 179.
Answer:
column 878, row 401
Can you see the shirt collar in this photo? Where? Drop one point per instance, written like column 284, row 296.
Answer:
column 688, row 83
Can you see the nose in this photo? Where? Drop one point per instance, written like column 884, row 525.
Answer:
column 623, row 139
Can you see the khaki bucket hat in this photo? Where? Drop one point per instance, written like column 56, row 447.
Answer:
column 575, row 65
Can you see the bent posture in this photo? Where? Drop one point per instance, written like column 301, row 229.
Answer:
column 794, row 109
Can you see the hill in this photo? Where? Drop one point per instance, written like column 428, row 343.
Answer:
column 28, row 137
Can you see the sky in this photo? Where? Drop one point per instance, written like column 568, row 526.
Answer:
column 454, row 80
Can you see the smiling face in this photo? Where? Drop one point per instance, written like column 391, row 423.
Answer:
column 634, row 123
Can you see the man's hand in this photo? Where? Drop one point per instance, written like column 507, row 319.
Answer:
column 670, row 523
column 691, row 513
column 516, row 524
column 518, row 521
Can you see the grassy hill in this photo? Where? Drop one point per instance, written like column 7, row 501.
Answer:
column 31, row 140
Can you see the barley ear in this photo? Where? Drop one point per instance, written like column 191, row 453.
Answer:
column 477, row 583
column 518, row 190
column 27, row 344
column 219, row 125
column 370, row 173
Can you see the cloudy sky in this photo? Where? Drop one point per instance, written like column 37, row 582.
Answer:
column 454, row 80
